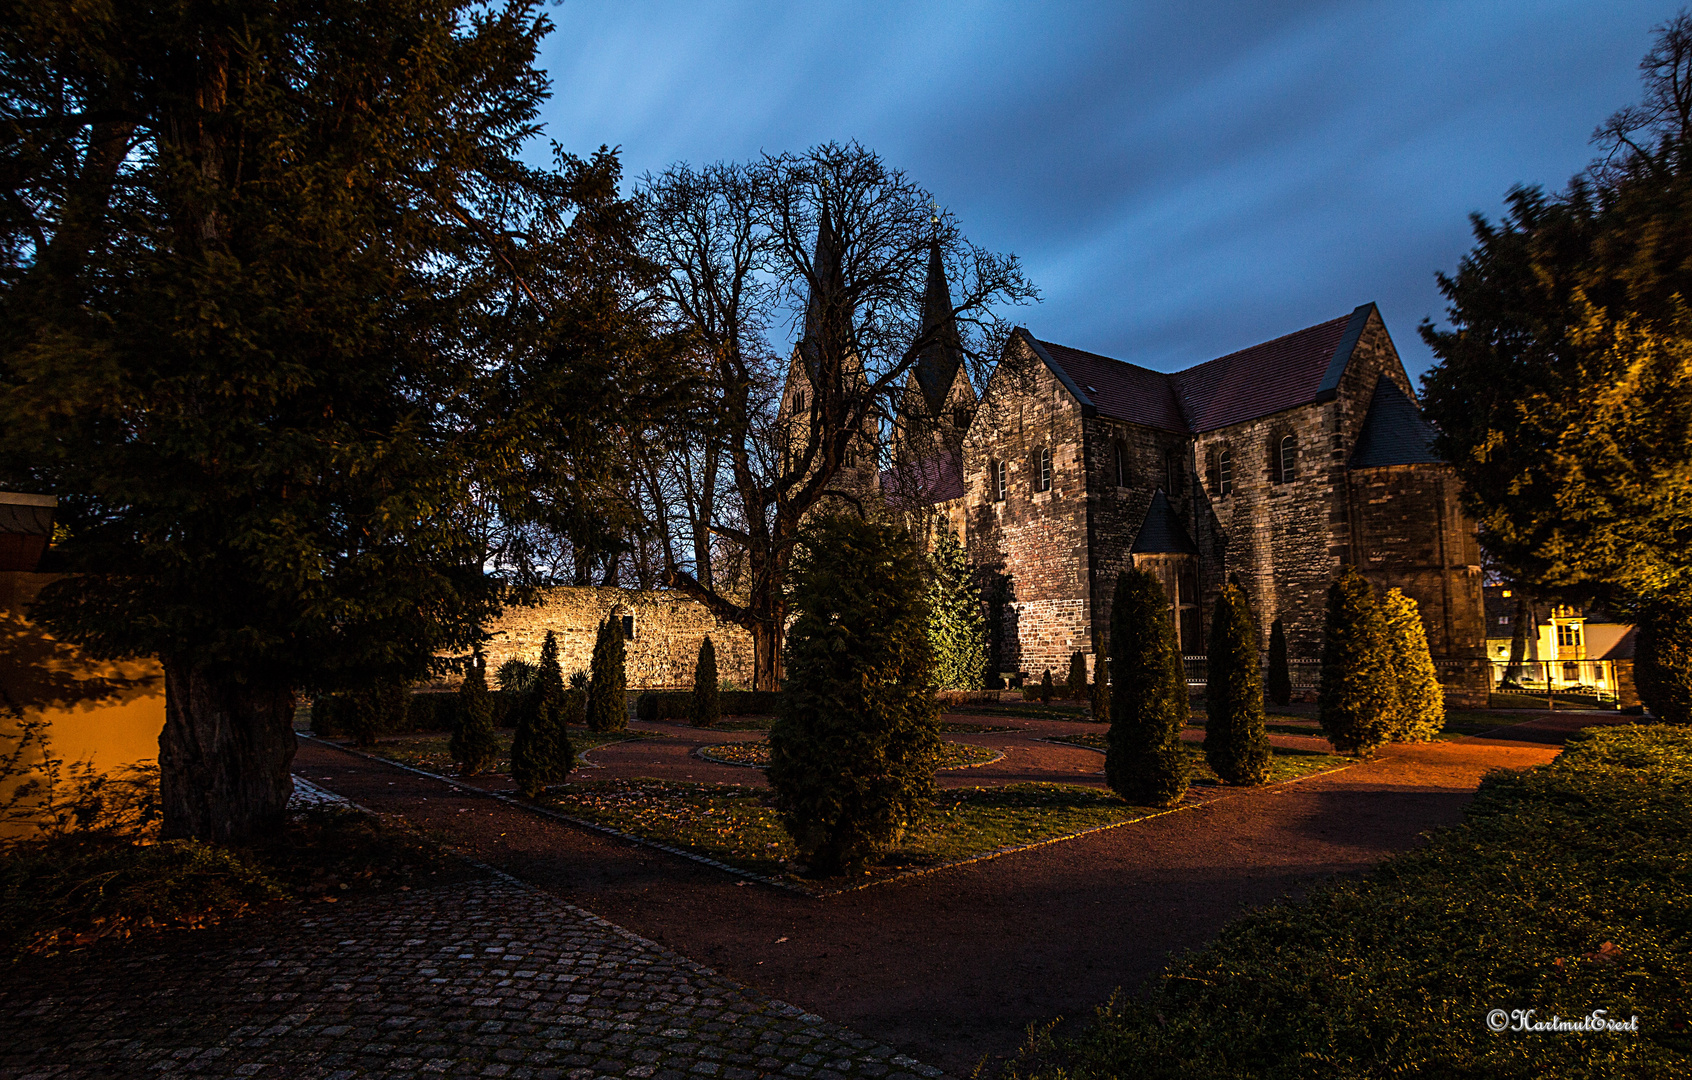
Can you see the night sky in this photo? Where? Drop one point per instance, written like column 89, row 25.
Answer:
column 1180, row 180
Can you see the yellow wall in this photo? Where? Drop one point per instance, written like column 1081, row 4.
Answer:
column 109, row 713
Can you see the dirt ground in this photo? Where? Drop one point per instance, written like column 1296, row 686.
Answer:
column 954, row 966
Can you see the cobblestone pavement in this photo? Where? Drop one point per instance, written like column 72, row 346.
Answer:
column 479, row 978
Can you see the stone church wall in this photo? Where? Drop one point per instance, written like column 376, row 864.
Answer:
column 668, row 629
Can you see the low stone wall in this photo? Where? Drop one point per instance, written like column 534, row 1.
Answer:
column 668, row 629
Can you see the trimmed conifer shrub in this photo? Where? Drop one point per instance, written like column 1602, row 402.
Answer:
column 1235, row 743
column 957, row 630
column 1076, row 684
column 705, row 707
column 608, row 699
column 1662, row 664
column 853, row 748
column 1421, row 700
column 1101, row 681
column 1358, row 700
column 1048, row 689
column 541, row 753
column 1144, row 761
column 474, row 745
column 1280, row 675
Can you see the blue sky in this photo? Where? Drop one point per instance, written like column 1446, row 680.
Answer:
column 1179, row 179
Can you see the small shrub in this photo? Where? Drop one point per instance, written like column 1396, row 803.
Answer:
column 608, row 699
column 1280, row 674
column 1076, row 684
column 1101, row 681
column 541, row 753
column 1235, row 743
column 474, row 745
column 705, row 707
column 853, row 748
column 1662, row 666
column 1358, row 700
column 1144, row 761
column 1421, row 700
column 516, row 676
column 1047, row 689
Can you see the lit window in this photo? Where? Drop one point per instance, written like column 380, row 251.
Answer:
column 1506, row 594
column 1571, row 672
column 1043, row 469
column 1503, row 620
column 1289, row 459
column 1568, row 635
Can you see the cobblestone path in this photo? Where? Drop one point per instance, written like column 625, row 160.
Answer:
column 478, row 978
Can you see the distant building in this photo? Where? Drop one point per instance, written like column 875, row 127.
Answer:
column 1579, row 646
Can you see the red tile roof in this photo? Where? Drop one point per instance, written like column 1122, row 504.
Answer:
column 1125, row 391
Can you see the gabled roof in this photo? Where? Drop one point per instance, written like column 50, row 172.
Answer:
column 934, row 479
column 1295, row 369
column 1393, row 431
column 1162, row 532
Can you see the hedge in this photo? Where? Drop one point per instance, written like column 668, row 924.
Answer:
column 673, row 704
column 428, row 710
column 1567, row 889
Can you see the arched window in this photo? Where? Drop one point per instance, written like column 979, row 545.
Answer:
column 1286, row 460
column 1121, row 452
column 1172, row 473
column 1224, row 472
column 799, row 401
column 1043, row 469
column 998, row 480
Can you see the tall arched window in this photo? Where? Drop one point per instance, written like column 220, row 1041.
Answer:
column 1286, row 458
column 998, row 480
column 1171, row 473
column 1121, row 462
column 799, row 401
column 1224, row 472
column 1043, row 469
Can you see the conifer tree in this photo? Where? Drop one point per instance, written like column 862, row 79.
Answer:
column 541, row 753
column 1047, row 687
column 608, row 700
column 1076, row 684
column 1663, row 657
column 1101, row 681
column 474, row 745
column 1358, row 700
column 1421, row 700
column 1280, row 675
column 852, row 752
column 1235, row 743
column 705, row 708
column 1145, row 762
column 957, row 630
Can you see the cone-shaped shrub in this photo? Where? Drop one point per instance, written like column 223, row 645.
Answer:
column 1421, row 700
column 706, row 707
column 1358, row 700
column 852, row 752
column 1663, row 657
column 1145, row 762
column 1101, row 681
column 956, row 627
column 1076, row 684
column 608, row 699
column 1048, row 689
column 1280, row 676
column 1235, row 744
column 541, row 753
column 474, row 745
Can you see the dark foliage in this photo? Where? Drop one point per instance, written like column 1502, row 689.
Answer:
column 705, row 706
column 1280, row 674
column 1075, row 685
column 1144, row 760
column 365, row 715
column 1048, row 689
column 541, row 753
column 677, row 704
column 1235, row 743
column 474, row 744
column 852, row 752
column 1357, row 703
column 1100, row 688
column 608, row 699
column 1663, row 658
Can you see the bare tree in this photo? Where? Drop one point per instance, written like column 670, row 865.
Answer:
column 1653, row 136
column 834, row 247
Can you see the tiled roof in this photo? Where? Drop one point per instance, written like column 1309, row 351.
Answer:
column 1292, row 370
column 923, row 483
column 1393, row 432
column 1162, row 530
column 1261, row 380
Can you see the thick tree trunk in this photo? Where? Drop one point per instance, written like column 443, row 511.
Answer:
column 223, row 756
column 766, row 655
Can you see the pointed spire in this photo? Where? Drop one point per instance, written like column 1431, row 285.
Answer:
column 938, row 363
column 826, row 269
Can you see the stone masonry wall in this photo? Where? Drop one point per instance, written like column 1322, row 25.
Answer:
column 668, row 631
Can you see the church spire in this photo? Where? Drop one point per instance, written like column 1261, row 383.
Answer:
column 938, row 362
column 825, row 290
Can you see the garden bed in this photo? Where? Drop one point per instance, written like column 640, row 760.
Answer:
column 1285, row 763
column 755, row 754
column 431, row 753
column 739, row 826
column 1565, row 891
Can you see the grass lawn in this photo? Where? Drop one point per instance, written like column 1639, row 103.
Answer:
column 756, row 753
column 1284, row 763
column 739, row 825
column 1566, row 890
column 429, row 752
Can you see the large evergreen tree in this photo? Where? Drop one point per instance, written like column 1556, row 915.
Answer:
column 1358, row 700
column 1145, row 761
column 1663, row 658
column 286, row 320
column 474, row 744
column 1235, row 742
column 957, row 629
column 1420, row 698
column 853, row 749
column 608, row 698
column 541, row 753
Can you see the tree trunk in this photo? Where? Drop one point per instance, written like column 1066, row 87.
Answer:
column 223, row 756
column 766, row 655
